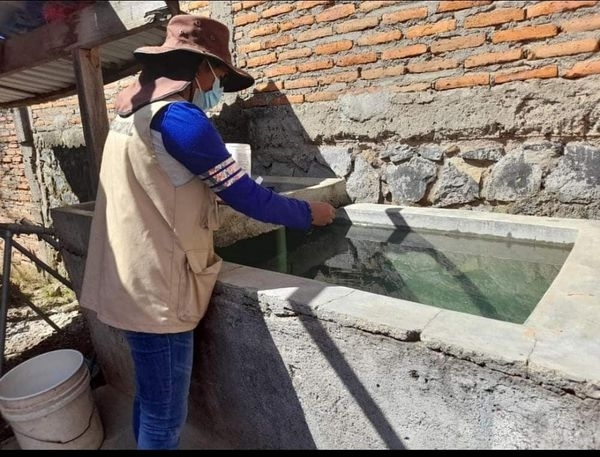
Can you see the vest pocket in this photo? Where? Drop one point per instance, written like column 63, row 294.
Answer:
column 196, row 287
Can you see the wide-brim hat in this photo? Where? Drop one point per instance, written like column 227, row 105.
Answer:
column 199, row 35
column 167, row 68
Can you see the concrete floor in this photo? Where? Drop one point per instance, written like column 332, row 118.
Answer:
column 115, row 413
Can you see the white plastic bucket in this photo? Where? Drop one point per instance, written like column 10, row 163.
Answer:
column 242, row 154
column 48, row 402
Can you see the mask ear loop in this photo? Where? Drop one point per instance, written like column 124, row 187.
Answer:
column 213, row 72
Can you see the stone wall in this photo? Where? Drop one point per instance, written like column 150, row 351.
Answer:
column 470, row 104
column 506, row 150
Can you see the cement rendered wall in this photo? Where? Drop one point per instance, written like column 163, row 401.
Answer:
column 271, row 373
column 518, row 148
column 267, row 379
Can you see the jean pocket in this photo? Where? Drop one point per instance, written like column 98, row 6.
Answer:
column 202, row 270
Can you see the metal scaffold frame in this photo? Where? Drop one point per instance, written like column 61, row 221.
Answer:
column 8, row 231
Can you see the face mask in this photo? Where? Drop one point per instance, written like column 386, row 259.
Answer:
column 209, row 99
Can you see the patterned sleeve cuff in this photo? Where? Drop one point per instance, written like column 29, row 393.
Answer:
column 222, row 175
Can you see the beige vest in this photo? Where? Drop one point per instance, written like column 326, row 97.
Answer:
column 151, row 265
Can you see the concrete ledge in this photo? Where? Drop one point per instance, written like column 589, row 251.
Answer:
column 237, row 226
column 567, row 318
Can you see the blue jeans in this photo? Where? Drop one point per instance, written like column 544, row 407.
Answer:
column 163, row 368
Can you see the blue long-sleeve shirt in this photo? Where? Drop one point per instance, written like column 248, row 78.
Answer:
column 189, row 136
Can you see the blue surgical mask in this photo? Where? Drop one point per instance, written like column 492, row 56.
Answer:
column 209, row 99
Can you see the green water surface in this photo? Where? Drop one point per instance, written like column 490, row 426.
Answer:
column 491, row 277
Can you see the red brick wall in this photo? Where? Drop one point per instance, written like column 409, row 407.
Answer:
column 15, row 198
column 305, row 48
column 312, row 51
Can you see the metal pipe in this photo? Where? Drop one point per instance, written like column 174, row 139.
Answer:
column 7, row 235
column 43, row 315
column 47, row 237
column 42, row 265
column 29, row 229
column 281, row 250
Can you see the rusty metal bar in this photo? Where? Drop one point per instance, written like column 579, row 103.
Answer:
column 42, row 265
column 7, row 235
column 27, row 229
column 8, row 231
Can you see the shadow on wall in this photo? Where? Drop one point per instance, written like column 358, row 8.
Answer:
column 74, row 164
column 252, row 396
column 280, row 144
column 242, row 388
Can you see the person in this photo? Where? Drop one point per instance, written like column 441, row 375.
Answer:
column 151, row 264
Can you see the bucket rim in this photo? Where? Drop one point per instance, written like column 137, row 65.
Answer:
column 243, row 145
column 23, row 365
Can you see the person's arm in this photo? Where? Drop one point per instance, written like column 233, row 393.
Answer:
column 190, row 137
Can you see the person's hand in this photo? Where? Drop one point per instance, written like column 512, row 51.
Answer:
column 322, row 213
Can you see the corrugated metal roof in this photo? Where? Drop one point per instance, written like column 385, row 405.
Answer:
column 56, row 78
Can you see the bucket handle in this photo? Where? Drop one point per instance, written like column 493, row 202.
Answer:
column 68, row 441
